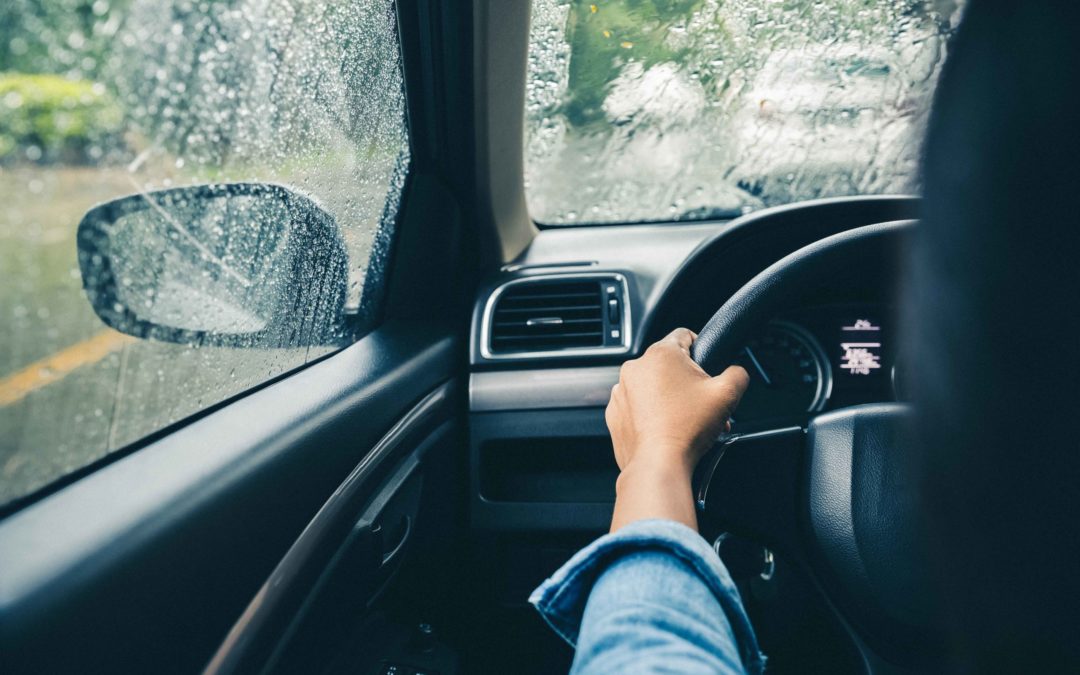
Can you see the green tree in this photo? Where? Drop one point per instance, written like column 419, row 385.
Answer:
column 606, row 35
column 59, row 37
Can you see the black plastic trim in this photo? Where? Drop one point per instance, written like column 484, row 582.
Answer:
column 144, row 565
column 254, row 635
column 534, row 516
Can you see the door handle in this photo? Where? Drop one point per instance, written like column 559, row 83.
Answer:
column 390, row 553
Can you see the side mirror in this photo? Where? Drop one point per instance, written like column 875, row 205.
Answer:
column 236, row 264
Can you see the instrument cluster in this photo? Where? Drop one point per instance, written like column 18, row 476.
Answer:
column 818, row 358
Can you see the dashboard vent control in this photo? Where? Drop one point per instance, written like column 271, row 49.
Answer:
column 556, row 314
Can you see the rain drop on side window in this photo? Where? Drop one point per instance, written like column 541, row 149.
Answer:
column 101, row 99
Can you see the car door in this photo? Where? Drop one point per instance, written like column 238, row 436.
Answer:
column 243, row 367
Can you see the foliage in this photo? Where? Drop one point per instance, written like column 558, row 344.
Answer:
column 251, row 82
column 216, row 81
column 51, row 118
column 63, row 37
column 605, row 36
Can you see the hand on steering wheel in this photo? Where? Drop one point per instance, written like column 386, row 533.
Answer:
column 664, row 414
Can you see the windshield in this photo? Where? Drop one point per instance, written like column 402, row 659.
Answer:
column 659, row 110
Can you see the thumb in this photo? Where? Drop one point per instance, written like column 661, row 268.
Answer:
column 729, row 386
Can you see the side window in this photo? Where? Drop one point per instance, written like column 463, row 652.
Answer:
column 195, row 196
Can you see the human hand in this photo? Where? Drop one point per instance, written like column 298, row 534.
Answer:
column 666, row 409
column 664, row 414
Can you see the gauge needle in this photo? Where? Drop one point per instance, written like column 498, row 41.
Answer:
column 757, row 364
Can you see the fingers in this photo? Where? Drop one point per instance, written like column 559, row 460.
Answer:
column 611, row 411
column 737, row 376
column 682, row 337
column 730, row 386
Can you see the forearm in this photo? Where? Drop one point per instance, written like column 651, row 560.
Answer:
column 653, row 597
column 654, row 490
column 651, row 612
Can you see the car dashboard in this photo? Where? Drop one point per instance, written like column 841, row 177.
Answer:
column 551, row 330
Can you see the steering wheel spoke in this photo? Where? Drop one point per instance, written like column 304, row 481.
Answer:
column 748, row 485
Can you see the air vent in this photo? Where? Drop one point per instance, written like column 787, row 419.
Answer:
column 557, row 314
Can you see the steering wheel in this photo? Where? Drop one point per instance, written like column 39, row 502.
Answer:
column 835, row 496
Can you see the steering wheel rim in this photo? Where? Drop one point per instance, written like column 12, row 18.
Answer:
column 785, row 283
column 833, row 496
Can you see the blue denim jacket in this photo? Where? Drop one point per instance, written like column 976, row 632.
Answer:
column 653, row 597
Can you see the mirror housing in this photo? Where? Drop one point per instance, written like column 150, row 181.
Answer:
column 231, row 264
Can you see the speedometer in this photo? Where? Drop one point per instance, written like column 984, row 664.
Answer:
column 789, row 374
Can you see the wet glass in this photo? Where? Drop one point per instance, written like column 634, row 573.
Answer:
column 179, row 268
column 100, row 99
column 660, row 110
column 225, row 264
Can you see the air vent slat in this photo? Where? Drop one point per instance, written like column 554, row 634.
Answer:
column 551, row 336
column 556, row 308
column 517, row 332
column 550, row 315
column 590, row 310
column 524, row 322
column 531, row 297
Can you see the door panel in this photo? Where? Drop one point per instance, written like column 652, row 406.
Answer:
column 145, row 564
column 345, row 557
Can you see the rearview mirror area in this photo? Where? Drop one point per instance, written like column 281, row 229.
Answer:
column 232, row 264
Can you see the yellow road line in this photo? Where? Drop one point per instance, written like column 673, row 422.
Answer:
column 18, row 385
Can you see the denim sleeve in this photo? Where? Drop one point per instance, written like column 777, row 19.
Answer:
column 653, row 597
